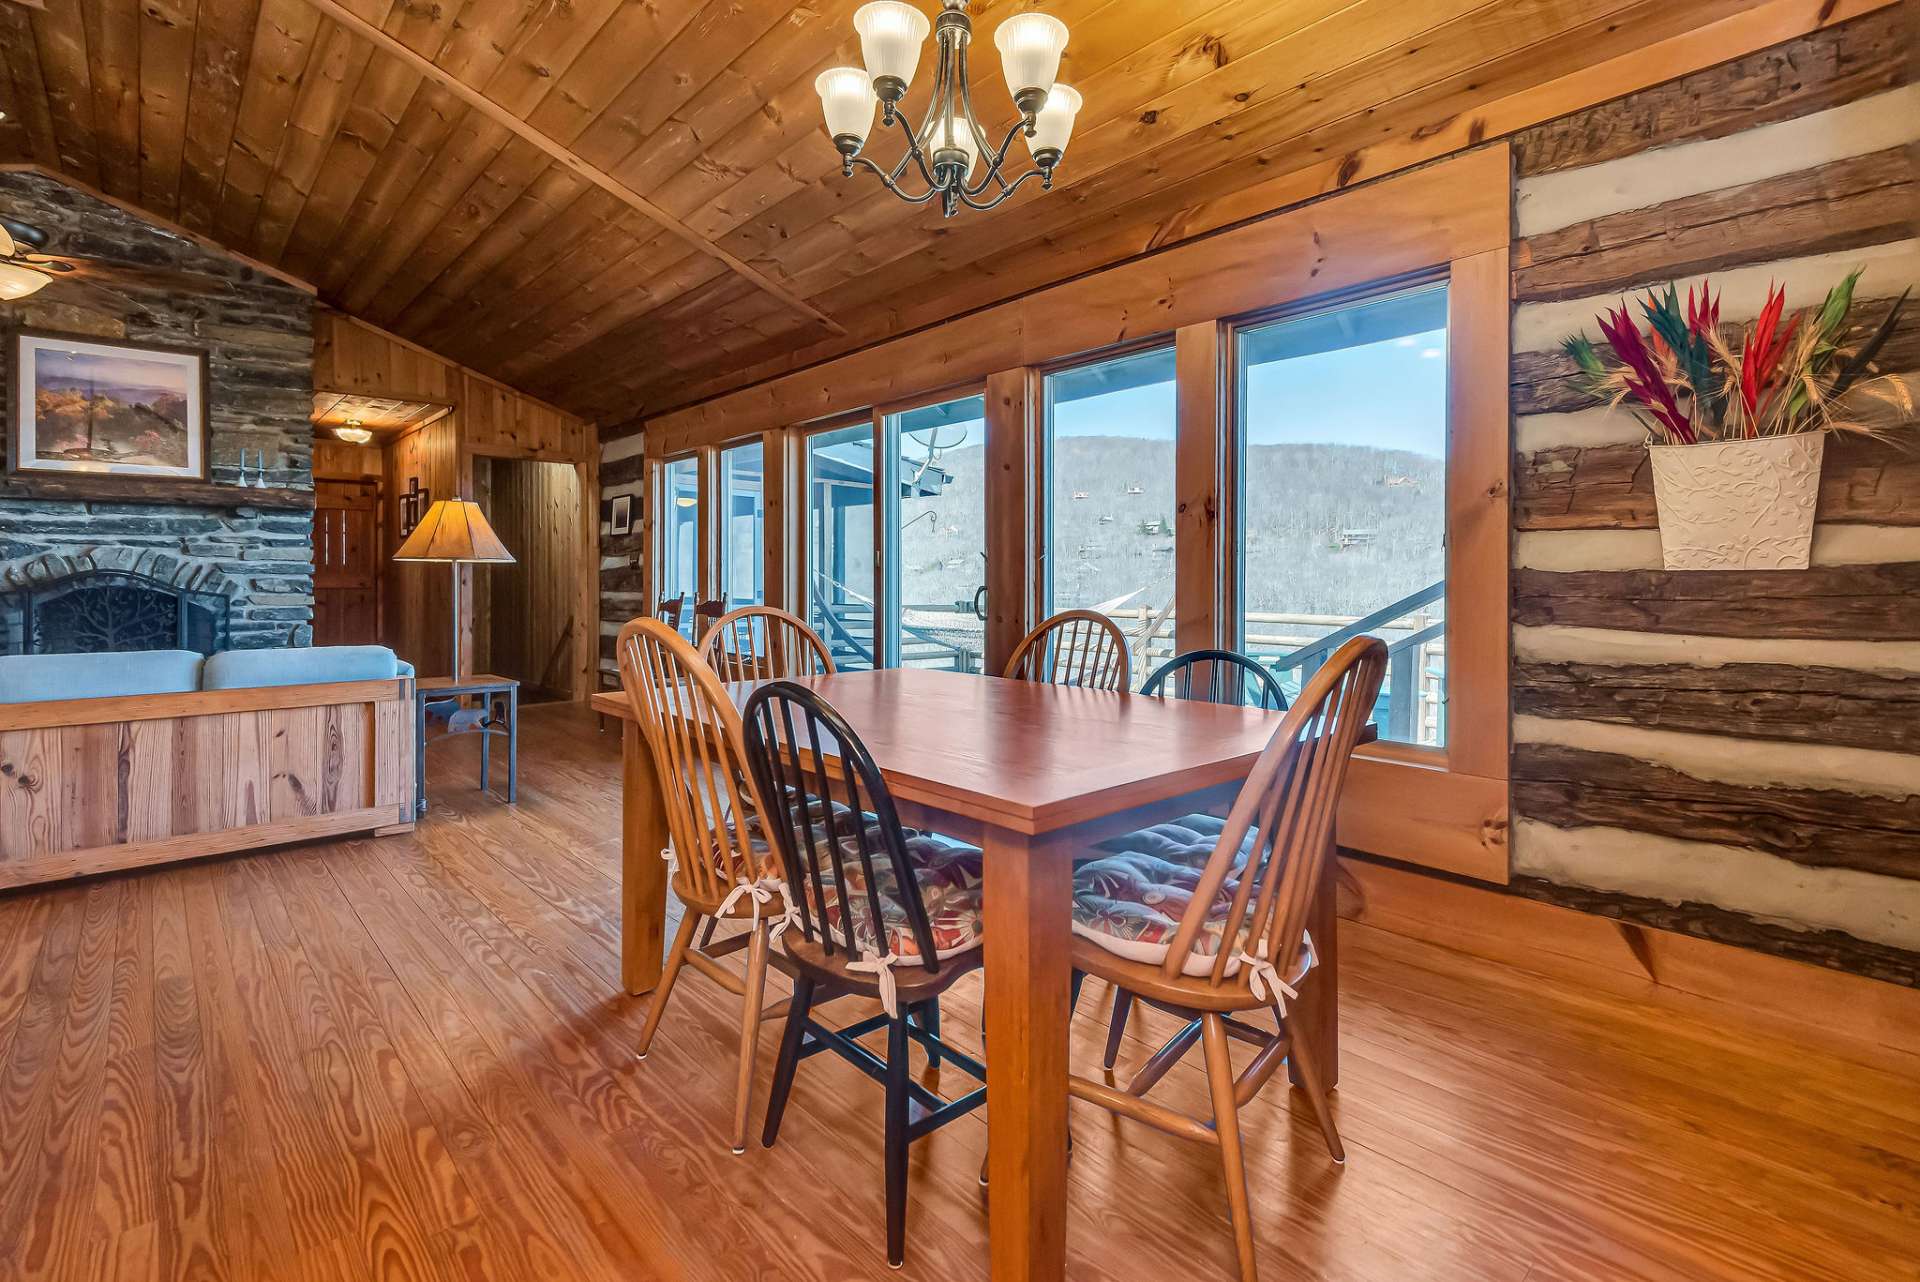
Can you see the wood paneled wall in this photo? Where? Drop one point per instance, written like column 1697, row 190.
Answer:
column 1720, row 752
column 489, row 421
column 526, row 614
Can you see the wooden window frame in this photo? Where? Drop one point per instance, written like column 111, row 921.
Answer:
column 1457, row 791
column 1454, row 217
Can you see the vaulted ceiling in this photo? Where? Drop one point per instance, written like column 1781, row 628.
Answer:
column 708, row 237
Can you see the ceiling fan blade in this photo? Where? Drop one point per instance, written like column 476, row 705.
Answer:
column 7, row 246
column 74, row 288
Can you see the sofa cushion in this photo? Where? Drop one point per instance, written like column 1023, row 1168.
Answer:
column 41, row 678
column 313, row 665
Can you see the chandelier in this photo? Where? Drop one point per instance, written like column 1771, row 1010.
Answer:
column 950, row 143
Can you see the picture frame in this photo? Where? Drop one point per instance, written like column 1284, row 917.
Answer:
column 85, row 405
column 620, row 515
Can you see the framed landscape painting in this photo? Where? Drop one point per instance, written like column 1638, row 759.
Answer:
column 107, row 408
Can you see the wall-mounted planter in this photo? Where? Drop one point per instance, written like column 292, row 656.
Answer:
column 1738, row 505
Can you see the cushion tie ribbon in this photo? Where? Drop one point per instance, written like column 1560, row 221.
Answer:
column 1263, row 977
column 759, row 893
column 881, row 965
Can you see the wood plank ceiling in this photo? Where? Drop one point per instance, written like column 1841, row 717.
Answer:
column 285, row 134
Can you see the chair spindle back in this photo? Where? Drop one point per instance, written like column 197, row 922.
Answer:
column 1289, row 800
column 826, row 819
column 1218, row 676
column 758, row 643
column 693, row 733
column 1073, row 648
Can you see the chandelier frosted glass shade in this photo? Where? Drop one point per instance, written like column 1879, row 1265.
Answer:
column 1053, row 125
column 847, row 101
column 950, row 151
column 1030, row 45
column 891, row 34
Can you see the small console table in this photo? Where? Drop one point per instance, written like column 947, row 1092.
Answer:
column 495, row 693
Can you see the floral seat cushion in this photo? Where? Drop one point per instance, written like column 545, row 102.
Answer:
column 949, row 874
column 1129, row 898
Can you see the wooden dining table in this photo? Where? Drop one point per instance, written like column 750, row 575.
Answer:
column 1033, row 775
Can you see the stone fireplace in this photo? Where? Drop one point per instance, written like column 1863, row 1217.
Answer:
column 75, row 605
column 201, row 573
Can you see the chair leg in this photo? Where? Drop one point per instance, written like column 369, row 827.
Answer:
column 927, row 1014
column 1165, row 1058
column 784, row 1068
column 1117, row 1026
column 1307, row 1067
column 1226, row 1124
column 896, row 1142
column 676, row 958
column 749, row 1035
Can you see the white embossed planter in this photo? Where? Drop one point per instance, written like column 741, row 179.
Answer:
column 1738, row 505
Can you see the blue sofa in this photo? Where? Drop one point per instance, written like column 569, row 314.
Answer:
column 43, row 678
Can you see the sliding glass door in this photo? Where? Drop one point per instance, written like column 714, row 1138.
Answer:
column 1110, row 501
column 743, row 525
column 840, row 581
column 680, row 535
column 933, row 485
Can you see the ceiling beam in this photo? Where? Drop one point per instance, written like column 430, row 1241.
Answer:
column 565, row 156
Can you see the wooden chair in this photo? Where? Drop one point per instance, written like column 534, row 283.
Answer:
column 706, row 614
column 722, row 869
column 758, row 642
column 880, row 913
column 1207, row 676
column 1240, row 943
column 1218, row 676
column 669, row 611
column 1073, row 648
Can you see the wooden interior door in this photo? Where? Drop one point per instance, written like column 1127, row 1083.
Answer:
column 347, row 558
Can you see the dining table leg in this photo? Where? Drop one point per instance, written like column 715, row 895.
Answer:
column 1027, row 909
column 643, row 874
column 1317, row 1012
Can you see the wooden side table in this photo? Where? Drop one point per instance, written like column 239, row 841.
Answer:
column 487, row 686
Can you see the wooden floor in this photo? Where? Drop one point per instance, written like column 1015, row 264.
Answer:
column 407, row 1058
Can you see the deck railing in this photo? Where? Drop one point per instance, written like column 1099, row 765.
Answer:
column 1412, row 706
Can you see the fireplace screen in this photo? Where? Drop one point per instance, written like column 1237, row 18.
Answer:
column 106, row 611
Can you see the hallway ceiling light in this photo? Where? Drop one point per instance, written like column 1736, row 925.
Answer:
column 950, row 143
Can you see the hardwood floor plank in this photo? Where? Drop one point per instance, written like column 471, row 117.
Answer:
column 410, row 1058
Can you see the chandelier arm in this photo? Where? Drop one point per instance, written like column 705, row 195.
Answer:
column 887, row 181
column 997, row 171
column 984, row 205
column 913, row 154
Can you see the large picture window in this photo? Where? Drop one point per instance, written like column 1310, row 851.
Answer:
column 1109, row 542
column 1341, row 428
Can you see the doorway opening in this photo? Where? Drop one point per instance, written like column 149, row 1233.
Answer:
column 525, row 623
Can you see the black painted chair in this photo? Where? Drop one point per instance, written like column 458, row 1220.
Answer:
column 875, row 911
column 1206, row 676
column 1218, row 676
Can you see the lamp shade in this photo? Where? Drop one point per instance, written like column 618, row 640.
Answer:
column 1030, row 45
column 453, row 530
column 891, row 34
column 847, row 101
column 1053, row 123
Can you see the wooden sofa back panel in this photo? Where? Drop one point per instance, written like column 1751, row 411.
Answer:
column 95, row 795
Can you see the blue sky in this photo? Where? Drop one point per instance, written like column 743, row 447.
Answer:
column 1391, row 395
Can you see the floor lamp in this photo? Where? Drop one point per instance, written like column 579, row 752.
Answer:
column 454, row 531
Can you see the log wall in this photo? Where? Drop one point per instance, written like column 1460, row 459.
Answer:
column 1732, row 754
